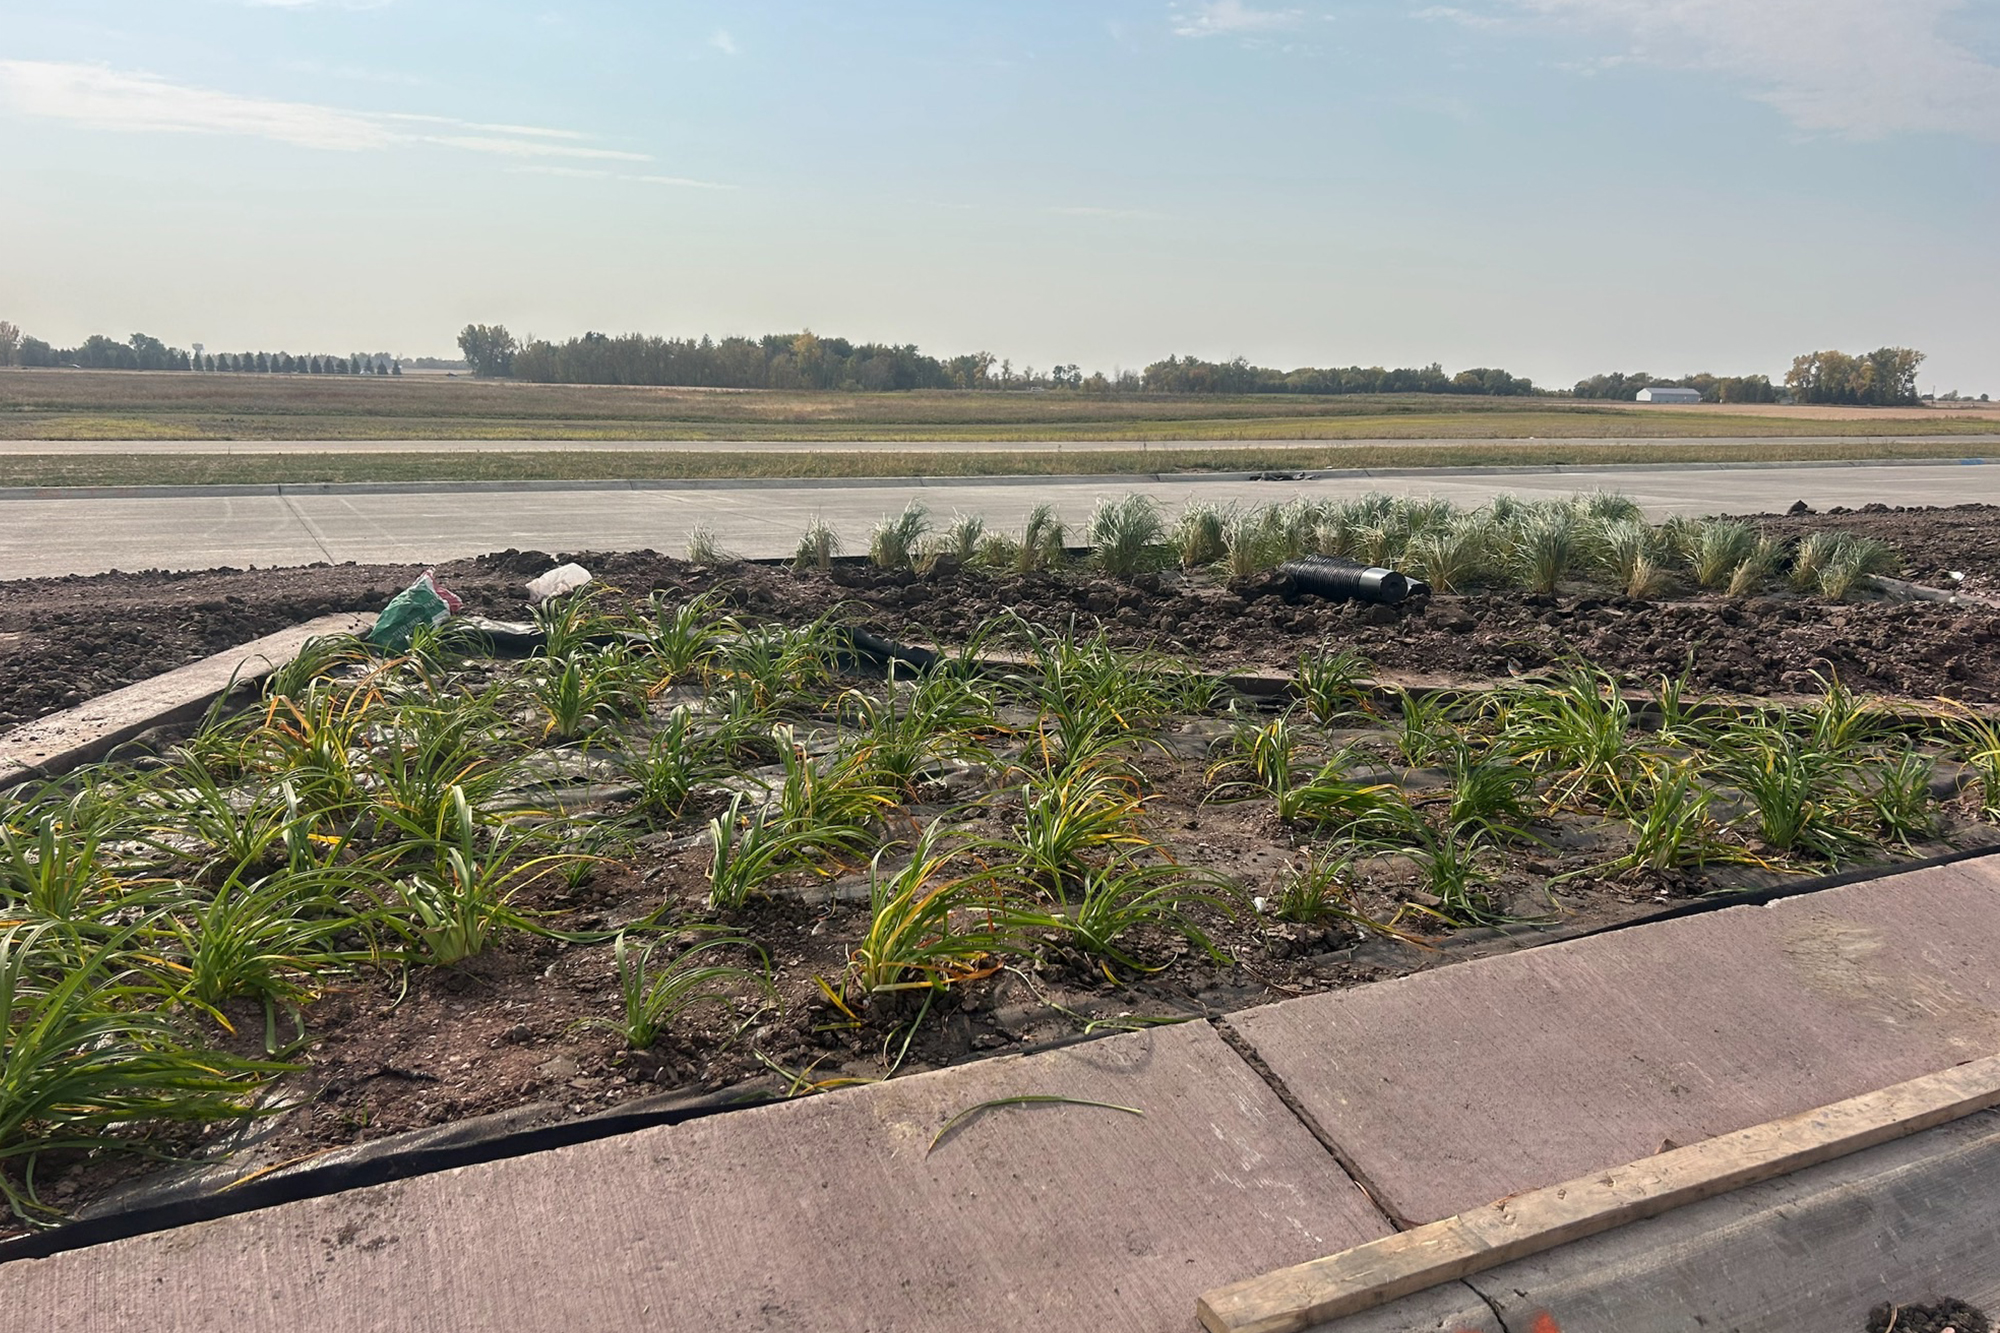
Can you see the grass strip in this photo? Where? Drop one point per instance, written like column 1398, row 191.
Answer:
column 303, row 469
column 166, row 425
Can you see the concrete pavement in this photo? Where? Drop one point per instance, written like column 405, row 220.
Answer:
column 1496, row 1076
column 49, row 533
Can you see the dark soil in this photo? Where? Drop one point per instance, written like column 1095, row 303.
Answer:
column 63, row 640
column 1946, row 1316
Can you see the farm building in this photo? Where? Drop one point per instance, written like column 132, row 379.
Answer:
column 1664, row 393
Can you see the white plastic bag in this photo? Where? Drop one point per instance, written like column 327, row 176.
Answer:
column 561, row 579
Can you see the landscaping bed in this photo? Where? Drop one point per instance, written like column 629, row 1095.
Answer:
column 63, row 640
column 702, row 840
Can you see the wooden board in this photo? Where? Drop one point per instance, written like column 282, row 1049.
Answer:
column 1292, row 1300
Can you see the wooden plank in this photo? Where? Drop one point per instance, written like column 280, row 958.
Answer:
column 59, row 742
column 1292, row 1300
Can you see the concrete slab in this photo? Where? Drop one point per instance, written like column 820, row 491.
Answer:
column 1450, row 1089
column 55, row 533
column 61, row 741
column 824, row 1215
column 1905, row 1223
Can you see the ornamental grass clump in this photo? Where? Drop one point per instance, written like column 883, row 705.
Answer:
column 1197, row 536
column 1546, row 543
column 817, row 546
column 1125, row 533
column 892, row 543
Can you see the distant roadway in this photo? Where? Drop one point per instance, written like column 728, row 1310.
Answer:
column 92, row 448
column 84, row 532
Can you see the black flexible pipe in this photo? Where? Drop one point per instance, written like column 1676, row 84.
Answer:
column 1345, row 580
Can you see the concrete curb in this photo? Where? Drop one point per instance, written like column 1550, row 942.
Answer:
column 55, row 744
column 894, row 483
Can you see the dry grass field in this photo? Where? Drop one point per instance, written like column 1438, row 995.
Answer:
column 118, row 405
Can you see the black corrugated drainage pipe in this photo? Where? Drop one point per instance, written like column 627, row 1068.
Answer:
column 1345, row 580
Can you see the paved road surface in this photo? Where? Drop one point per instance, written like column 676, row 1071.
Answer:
column 299, row 525
column 1972, row 444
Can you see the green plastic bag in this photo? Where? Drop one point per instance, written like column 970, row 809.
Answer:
column 425, row 602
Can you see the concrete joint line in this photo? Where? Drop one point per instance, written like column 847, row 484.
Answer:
column 311, row 528
column 1248, row 1054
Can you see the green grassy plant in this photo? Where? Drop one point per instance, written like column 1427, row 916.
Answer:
column 1333, row 687
column 1126, row 533
column 1717, row 547
column 1900, row 799
column 1672, row 828
column 910, row 728
column 659, row 983
column 746, row 853
column 1075, row 821
column 668, row 766
column 1546, row 543
column 1489, row 795
column 818, row 545
column 827, row 804
column 913, row 941
column 704, row 547
column 1578, row 731
column 1426, row 728
column 1198, row 535
column 1107, row 903
column 1804, row 795
column 1452, row 866
column 88, row 1056
column 1369, row 814
column 892, row 543
column 1319, row 890
column 685, row 637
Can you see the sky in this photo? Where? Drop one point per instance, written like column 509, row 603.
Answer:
column 1557, row 187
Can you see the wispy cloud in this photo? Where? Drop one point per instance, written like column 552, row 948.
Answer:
column 1453, row 14
column 1860, row 68
column 1095, row 211
column 1231, row 18
column 723, row 42
column 588, row 173
column 109, row 99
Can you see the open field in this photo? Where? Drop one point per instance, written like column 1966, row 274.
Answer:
column 101, row 405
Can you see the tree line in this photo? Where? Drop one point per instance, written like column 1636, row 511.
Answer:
column 144, row 352
column 809, row 361
column 1885, row 377
column 1714, row 388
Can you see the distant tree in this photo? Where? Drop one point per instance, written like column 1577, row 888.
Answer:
column 209, row 362
column 35, row 352
column 1884, row 377
column 10, row 343
column 263, row 363
column 489, row 349
column 395, row 367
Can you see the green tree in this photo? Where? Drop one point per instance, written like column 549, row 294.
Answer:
column 10, row 343
column 489, row 349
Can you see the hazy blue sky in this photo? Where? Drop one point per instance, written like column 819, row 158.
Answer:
column 1555, row 186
